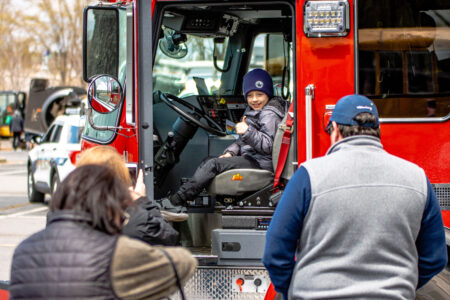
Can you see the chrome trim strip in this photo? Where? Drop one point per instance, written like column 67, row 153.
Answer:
column 415, row 120
column 129, row 100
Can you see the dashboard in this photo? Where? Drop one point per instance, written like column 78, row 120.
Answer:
column 222, row 108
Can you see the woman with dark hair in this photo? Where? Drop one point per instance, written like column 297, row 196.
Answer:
column 80, row 254
column 146, row 222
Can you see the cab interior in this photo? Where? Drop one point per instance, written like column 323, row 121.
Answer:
column 202, row 53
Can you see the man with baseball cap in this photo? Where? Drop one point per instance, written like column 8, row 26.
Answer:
column 357, row 223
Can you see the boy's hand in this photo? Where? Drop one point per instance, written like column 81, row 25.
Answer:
column 241, row 127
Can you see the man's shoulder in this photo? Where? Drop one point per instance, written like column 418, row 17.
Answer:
column 407, row 167
column 318, row 162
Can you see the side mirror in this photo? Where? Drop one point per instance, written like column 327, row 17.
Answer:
column 100, row 41
column 105, row 94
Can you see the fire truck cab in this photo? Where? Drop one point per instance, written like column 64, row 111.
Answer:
column 166, row 88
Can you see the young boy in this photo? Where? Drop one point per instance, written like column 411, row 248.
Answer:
column 253, row 148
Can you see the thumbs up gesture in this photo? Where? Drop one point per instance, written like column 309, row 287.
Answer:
column 242, row 126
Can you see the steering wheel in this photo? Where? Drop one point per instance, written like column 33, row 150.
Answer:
column 194, row 116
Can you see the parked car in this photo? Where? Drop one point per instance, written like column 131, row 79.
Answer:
column 54, row 157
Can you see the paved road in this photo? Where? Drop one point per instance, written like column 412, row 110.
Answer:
column 18, row 217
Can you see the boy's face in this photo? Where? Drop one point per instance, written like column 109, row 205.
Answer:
column 257, row 99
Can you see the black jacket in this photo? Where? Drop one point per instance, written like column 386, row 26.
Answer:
column 71, row 260
column 16, row 123
column 67, row 258
column 147, row 224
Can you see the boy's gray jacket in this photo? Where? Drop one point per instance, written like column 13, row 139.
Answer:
column 257, row 141
column 359, row 235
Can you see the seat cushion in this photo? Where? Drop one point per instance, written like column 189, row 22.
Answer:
column 238, row 181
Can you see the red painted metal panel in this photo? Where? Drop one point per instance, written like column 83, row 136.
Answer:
column 4, row 295
column 446, row 218
column 425, row 144
column 328, row 63
column 125, row 141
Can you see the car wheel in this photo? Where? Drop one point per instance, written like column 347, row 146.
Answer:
column 33, row 194
column 55, row 182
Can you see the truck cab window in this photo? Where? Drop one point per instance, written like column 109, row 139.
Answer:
column 404, row 62
column 273, row 53
column 193, row 74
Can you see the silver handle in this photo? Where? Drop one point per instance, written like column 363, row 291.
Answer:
column 309, row 96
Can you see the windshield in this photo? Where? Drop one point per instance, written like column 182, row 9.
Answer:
column 193, row 74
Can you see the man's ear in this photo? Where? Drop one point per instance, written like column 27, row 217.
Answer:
column 336, row 134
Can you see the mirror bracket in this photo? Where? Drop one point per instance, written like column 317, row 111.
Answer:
column 108, row 128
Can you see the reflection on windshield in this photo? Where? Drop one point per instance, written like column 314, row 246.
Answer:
column 193, row 74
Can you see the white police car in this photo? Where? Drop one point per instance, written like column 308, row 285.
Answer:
column 54, row 157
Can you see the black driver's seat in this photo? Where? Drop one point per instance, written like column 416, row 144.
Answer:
column 237, row 182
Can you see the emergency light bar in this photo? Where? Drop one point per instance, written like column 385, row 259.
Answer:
column 326, row 18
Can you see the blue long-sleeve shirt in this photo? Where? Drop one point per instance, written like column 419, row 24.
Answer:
column 286, row 227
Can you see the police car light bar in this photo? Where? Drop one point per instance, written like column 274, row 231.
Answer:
column 326, row 18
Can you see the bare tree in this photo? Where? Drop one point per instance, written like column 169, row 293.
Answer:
column 57, row 29
column 16, row 55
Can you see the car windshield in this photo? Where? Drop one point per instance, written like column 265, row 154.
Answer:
column 74, row 135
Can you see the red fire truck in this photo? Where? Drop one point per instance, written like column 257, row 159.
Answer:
column 166, row 80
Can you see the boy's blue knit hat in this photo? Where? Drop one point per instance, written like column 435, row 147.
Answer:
column 258, row 80
column 349, row 106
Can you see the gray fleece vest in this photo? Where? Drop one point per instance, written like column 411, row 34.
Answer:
column 358, row 236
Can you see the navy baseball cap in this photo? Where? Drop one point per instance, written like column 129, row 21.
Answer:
column 348, row 107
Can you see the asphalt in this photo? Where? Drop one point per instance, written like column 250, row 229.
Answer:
column 5, row 145
column 8, row 155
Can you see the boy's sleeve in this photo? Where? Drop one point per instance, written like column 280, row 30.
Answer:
column 284, row 231
column 147, row 224
column 262, row 140
column 234, row 148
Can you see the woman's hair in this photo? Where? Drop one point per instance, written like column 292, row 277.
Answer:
column 96, row 191
column 106, row 156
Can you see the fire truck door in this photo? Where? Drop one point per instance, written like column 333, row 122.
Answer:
column 325, row 69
